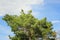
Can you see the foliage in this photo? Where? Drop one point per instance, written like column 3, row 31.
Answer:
column 27, row 27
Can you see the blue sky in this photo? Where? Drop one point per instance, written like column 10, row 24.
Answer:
column 40, row 8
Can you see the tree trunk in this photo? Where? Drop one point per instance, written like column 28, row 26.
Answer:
column 30, row 38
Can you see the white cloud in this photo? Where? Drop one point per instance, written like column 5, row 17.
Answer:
column 14, row 6
column 56, row 21
column 4, row 37
column 5, row 31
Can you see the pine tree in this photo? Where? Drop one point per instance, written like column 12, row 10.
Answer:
column 27, row 27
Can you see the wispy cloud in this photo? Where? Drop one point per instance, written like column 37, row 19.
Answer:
column 4, row 32
column 4, row 37
column 56, row 21
column 14, row 6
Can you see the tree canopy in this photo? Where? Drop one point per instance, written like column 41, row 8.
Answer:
column 27, row 27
